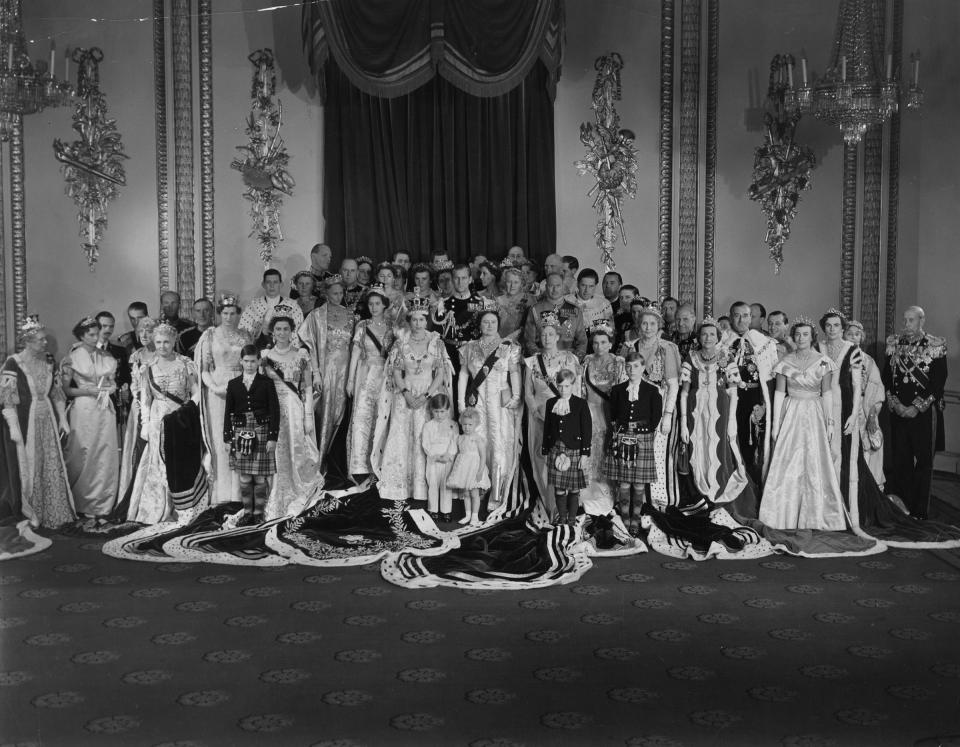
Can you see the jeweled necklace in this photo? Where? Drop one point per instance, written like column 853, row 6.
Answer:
column 488, row 345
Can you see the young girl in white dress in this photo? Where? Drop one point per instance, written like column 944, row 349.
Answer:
column 439, row 441
column 470, row 473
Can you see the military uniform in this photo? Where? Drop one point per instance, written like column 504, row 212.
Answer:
column 914, row 376
column 573, row 333
column 457, row 321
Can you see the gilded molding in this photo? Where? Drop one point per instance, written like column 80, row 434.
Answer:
column 18, row 224
column 160, row 120
column 710, row 156
column 205, row 62
column 893, row 187
column 183, row 147
column 689, row 188
column 3, row 269
column 665, row 209
column 849, row 229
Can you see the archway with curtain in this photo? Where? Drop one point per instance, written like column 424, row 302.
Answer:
column 438, row 123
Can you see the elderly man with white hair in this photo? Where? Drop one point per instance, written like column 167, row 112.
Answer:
column 914, row 378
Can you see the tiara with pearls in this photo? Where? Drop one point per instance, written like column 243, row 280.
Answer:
column 834, row 311
column 803, row 319
column 601, row 325
column 709, row 321
column 653, row 308
column 549, row 319
column 378, row 288
column 334, row 279
column 281, row 309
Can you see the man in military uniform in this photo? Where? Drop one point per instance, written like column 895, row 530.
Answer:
column 456, row 315
column 750, row 357
column 573, row 333
column 914, row 377
column 685, row 335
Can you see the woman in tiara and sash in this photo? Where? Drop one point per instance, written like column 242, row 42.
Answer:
column 489, row 381
column 540, row 372
column 417, row 368
column 33, row 478
column 513, row 304
column 327, row 333
column 167, row 383
column 217, row 357
column 372, row 340
column 298, row 481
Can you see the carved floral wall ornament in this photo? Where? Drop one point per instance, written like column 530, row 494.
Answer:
column 781, row 167
column 263, row 161
column 93, row 165
column 611, row 157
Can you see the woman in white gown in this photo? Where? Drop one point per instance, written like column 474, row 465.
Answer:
column 298, row 480
column 802, row 490
column 217, row 357
column 417, row 368
column 489, row 380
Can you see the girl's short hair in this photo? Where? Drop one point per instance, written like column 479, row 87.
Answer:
column 565, row 374
column 438, row 401
column 249, row 350
column 470, row 414
column 797, row 325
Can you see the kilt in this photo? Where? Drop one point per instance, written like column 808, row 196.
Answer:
column 259, row 461
column 570, row 479
column 644, row 469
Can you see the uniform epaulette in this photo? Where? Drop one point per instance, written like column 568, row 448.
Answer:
column 937, row 346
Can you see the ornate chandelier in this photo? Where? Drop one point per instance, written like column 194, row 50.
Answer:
column 853, row 94
column 25, row 87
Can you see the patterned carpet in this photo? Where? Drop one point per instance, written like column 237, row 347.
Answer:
column 643, row 651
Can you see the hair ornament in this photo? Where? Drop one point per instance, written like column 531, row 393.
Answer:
column 549, row 319
column 442, row 264
column 335, row 279
column 30, row 325
column 601, row 325
column 709, row 321
column 228, row 299
column 87, row 321
column 165, row 328
column 364, row 258
column 834, row 311
column 803, row 319
column 419, row 304
column 281, row 309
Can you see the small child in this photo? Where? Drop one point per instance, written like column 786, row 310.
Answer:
column 439, row 442
column 251, row 425
column 470, row 473
column 567, row 431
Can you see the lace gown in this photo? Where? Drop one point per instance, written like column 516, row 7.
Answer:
column 500, row 425
column 218, row 356
column 398, row 459
column 371, row 353
column 150, row 501
column 91, row 454
column 29, row 386
column 537, row 390
column 298, row 480
column 802, row 490
column 512, row 312
column 327, row 333
column 598, row 376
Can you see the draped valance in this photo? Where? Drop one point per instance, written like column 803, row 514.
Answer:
column 388, row 48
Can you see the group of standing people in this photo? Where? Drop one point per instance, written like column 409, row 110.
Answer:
column 596, row 403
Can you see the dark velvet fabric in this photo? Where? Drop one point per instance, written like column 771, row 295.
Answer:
column 439, row 168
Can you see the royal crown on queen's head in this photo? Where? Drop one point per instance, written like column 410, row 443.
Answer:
column 377, row 288
column 334, row 279
column 228, row 299
column 281, row 309
column 418, row 302
column 601, row 325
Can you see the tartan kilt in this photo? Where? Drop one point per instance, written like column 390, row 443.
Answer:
column 571, row 479
column 642, row 470
column 259, row 462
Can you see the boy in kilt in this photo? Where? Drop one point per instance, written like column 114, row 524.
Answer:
column 251, row 425
column 567, row 431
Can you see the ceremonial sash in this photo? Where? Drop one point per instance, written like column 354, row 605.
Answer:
column 474, row 382
column 279, row 373
column 600, row 393
column 546, row 377
column 375, row 341
column 162, row 392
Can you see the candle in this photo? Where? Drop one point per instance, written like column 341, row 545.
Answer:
column 843, row 68
column 889, row 67
column 916, row 69
column 66, row 65
column 10, row 56
column 790, row 74
column 803, row 66
column 53, row 57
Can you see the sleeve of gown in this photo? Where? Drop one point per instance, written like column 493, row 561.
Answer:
column 671, row 362
column 8, row 385
column 873, row 394
column 56, row 391
column 274, row 400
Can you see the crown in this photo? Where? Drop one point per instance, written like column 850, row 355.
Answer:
column 443, row 264
column 87, row 321
column 165, row 328
column 228, row 299
column 803, row 319
column 601, row 325
column 378, row 288
column 487, row 304
column 418, row 303
column 549, row 319
column 709, row 321
column 302, row 274
column 855, row 323
column 364, row 258
column 30, row 325
column 653, row 308
column 334, row 279
column 281, row 309
column 507, row 264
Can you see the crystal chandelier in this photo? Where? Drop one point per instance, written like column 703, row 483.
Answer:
column 25, row 87
column 853, row 94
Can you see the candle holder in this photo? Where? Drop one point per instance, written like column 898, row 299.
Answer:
column 914, row 97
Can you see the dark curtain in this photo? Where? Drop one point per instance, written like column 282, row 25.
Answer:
column 439, row 168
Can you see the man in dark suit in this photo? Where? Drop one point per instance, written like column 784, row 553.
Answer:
column 121, row 397
column 129, row 340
